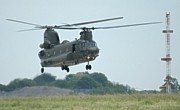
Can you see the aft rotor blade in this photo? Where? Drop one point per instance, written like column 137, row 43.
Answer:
column 90, row 22
column 23, row 22
column 69, row 28
column 139, row 24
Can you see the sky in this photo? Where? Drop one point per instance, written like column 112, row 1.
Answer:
column 128, row 55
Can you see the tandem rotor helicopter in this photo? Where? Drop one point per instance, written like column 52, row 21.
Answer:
column 68, row 53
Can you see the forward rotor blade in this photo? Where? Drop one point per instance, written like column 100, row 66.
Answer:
column 90, row 22
column 108, row 27
column 23, row 22
column 139, row 24
column 28, row 30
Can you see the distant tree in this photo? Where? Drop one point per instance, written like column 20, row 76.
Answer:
column 100, row 78
column 119, row 88
column 112, row 88
column 20, row 83
column 27, row 83
column 175, row 85
column 86, row 82
column 72, row 79
column 60, row 83
column 44, row 79
column 2, row 87
column 97, row 83
column 76, row 76
column 69, row 77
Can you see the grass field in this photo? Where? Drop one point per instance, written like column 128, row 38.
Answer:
column 93, row 102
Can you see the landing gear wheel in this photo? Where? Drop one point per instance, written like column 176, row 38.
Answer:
column 88, row 67
column 42, row 70
column 62, row 68
column 65, row 68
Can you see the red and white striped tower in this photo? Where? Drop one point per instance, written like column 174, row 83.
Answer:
column 166, row 87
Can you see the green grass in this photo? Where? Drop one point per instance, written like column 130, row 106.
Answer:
column 94, row 102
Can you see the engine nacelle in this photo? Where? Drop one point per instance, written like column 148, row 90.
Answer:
column 46, row 46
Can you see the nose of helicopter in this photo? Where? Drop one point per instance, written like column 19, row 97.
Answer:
column 92, row 53
column 93, row 50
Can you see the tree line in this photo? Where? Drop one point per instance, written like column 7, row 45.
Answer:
column 95, row 83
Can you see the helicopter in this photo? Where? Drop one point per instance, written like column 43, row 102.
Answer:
column 63, row 54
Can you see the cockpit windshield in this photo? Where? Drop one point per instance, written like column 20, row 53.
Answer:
column 84, row 44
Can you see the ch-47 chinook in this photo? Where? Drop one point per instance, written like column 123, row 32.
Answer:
column 68, row 53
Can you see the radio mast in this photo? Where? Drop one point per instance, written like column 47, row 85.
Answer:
column 166, row 87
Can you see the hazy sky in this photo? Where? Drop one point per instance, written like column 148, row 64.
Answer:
column 128, row 55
